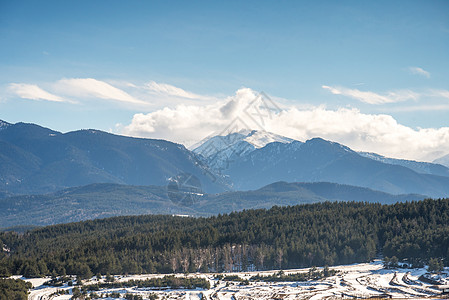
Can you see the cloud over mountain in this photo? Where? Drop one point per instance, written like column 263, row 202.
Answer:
column 170, row 112
column 378, row 133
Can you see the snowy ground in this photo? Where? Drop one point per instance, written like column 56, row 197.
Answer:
column 353, row 281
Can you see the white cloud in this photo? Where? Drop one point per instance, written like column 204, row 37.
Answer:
column 81, row 90
column 419, row 71
column 170, row 90
column 93, row 88
column 372, row 97
column 33, row 92
column 379, row 133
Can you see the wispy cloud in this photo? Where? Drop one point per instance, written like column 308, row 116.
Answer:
column 33, row 92
column 419, row 71
column 372, row 97
column 93, row 88
column 439, row 93
column 425, row 107
column 170, row 90
column 80, row 90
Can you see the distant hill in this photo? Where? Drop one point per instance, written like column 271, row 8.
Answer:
column 417, row 166
column 84, row 203
column 105, row 200
column 288, row 194
column 443, row 160
column 34, row 160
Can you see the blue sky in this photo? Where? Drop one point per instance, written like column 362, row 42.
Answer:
column 130, row 66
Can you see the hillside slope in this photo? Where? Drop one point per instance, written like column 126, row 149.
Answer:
column 36, row 160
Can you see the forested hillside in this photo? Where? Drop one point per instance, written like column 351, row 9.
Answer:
column 287, row 237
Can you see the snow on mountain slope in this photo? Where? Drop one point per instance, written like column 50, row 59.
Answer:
column 219, row 151
column 436, row 168
column 3, row 124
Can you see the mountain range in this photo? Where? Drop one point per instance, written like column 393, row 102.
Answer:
column 251, row 165
column 48, row 177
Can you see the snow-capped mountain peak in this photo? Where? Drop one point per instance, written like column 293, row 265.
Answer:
column 221, row 150
column 259, row 138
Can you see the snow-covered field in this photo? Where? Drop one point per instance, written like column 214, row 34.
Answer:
column 353, row 281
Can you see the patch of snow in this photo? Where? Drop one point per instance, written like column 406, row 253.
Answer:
column 6, row 249
column 36, row 282
column 4, row 125
column 260, row 139
column 356, row 280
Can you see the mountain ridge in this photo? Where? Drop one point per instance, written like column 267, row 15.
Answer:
column 321, row 160
column 444, row 160
column 34, row 159
column 417, row 166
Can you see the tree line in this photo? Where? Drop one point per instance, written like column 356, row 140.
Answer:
column 14, row 289
column 278, row 238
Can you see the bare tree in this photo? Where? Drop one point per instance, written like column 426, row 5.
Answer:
column 260, row 257
column 185, row 260
column 280, row 255
column 174, row 261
